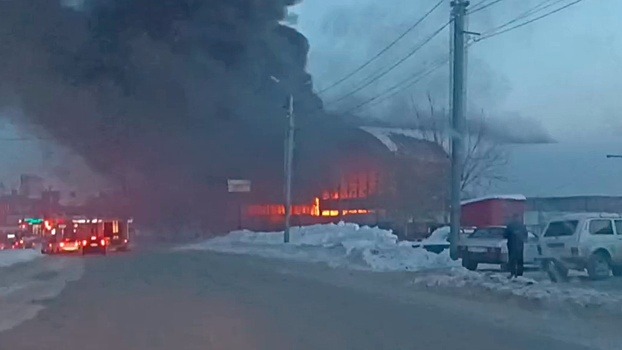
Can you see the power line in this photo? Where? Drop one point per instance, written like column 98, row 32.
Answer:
column 493, row 34
column 391, row 68
column 387, row 48
column 410, row 81
column 483, row 7
column 538, row 8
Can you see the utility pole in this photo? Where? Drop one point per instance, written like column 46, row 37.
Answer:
column 289, row 160
column 458, row 14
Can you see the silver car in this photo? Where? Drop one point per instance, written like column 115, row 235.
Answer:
column 487, row 245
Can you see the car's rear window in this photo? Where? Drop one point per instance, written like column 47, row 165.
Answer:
column 561, row 228
column 488, row 233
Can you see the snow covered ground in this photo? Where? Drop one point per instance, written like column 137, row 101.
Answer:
column 525, row 288
column 24, row 289
column 365, row 248
column 12, row 257
column 343, row 244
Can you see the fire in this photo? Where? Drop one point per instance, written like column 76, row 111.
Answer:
column 312, row 210
column 354, row 187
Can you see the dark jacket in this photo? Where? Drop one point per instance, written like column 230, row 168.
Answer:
column 516, row 234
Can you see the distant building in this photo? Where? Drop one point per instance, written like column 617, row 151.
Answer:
column 373, row 176
column 542, row 209
column 494, row 210
column 31, row 186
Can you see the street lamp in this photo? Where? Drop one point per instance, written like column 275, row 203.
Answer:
column 289, row 161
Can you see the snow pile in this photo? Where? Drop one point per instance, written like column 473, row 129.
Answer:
column 343, row 244
column 522, row 287
column 12, row 257
column 440, row 235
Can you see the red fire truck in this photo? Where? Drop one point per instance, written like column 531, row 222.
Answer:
column 87, row 235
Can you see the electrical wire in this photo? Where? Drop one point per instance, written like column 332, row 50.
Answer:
column 392, row 67
column 385, row 49
column 493, row 34
column 532, row 11
column 400, row 87
column 483, row 7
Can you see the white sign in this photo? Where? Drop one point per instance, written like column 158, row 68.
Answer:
column 239, row 185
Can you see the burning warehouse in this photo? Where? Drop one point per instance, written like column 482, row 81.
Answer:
column 170, row 99
column 373, row 176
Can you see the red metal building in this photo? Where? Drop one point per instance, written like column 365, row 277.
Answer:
column 492, row 210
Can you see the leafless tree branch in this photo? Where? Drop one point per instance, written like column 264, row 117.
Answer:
column 484, row 159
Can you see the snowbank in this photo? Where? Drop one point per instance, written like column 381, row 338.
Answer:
column 522, row 287
column 347, row 245
column 12, row 257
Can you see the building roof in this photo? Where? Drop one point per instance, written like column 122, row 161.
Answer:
column 412, row 143
column 508, row 197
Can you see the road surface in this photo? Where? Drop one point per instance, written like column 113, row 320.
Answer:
column 200, row 300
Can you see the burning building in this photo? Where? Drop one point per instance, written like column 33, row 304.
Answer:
column 370, row 176
column 169, row 99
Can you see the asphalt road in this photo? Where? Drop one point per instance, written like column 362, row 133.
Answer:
column 163, row 300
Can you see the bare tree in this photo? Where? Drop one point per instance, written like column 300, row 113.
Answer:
column 484, row 159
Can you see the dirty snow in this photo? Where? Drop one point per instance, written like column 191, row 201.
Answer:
column 522, row 287
column 12, row 257
column 343, row 244
column 24, row 289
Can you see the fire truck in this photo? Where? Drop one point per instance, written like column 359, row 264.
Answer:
column 86, row 235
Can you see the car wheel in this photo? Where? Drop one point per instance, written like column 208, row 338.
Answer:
column 556, row 272
column 469, row 265
column 617, row 270
column 599, row 266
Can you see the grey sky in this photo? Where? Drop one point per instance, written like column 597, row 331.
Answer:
column 563, row 71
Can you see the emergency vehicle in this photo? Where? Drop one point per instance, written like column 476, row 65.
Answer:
column 86, row 235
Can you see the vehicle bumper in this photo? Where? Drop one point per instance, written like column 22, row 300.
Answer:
column 485, row 258
column 70, row 249
column 88, row 249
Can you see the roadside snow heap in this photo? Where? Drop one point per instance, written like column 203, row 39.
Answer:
column 343, row 244
column 12, row 257
column 523, row 288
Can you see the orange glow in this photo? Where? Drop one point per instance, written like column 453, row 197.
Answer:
column 84, row 242
column 330, row 213
column 316, row 207
column 103, row 242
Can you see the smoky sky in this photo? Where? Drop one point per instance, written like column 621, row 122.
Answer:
column 545, row 73
column 172, row 96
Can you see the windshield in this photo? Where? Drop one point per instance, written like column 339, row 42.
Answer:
column 561, row 228
column 488, row 233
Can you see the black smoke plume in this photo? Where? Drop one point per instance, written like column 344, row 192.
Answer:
column 165, row 97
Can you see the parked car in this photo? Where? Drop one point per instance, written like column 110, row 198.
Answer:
column 587, row 241
column 487, row 245
column 94, row 244
column 438, row 240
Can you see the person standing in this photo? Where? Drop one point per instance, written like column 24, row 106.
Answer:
column 516, row 234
